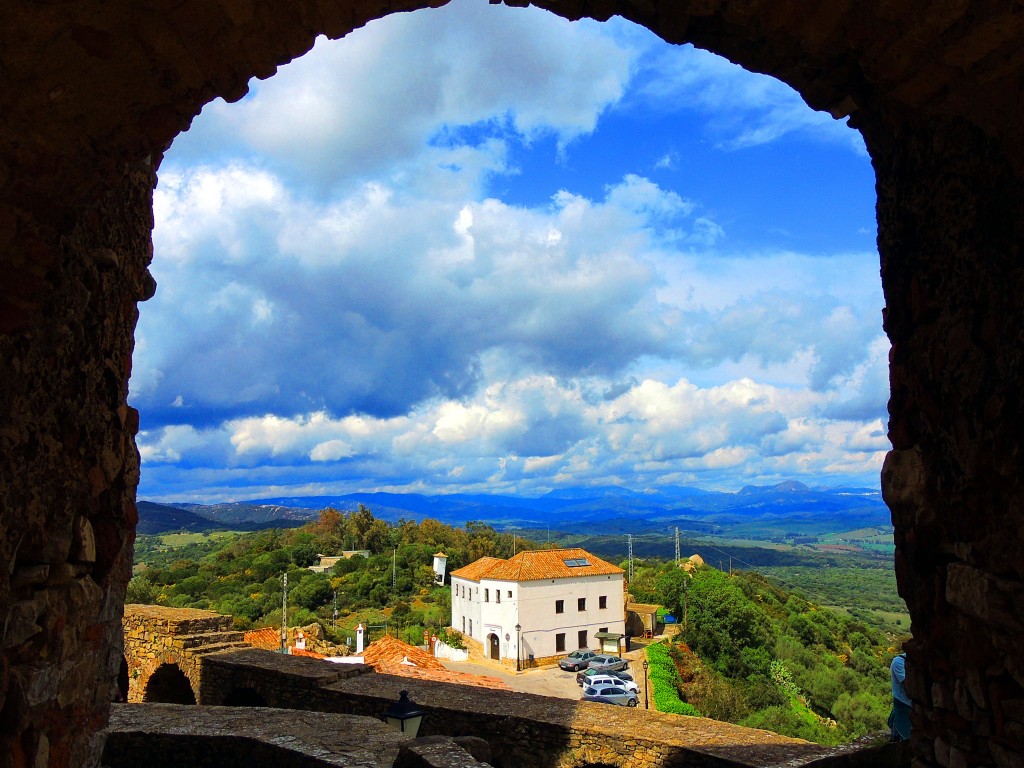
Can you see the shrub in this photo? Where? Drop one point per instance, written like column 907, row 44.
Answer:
column 664, row 682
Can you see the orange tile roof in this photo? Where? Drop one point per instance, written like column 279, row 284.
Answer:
column 387, row 654
column 293, row 651
column 390, row 651
column 537, row 564
column 267, row 638
column 477, row 568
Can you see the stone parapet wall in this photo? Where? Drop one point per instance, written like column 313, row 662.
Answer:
column 522, row 730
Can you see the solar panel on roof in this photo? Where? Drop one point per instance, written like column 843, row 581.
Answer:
column 577, row 562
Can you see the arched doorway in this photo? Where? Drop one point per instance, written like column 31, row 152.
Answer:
column 169, row 685
column 493, row 647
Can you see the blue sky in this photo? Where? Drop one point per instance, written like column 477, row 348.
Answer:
column 486, row 249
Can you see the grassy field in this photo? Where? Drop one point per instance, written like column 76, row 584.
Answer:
column 174, row 540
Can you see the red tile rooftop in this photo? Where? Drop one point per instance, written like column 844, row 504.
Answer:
column 538, row 564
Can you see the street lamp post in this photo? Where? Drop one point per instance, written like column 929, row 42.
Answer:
column 646, row 664
column 519, row 654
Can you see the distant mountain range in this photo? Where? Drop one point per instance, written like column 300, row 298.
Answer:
column 790, row 507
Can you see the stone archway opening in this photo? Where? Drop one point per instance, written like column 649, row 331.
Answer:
column 169, row 685
column 938, row 96
column 493, row 650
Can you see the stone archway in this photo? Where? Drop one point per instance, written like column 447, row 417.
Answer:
column 168, row 685
column 95, row 95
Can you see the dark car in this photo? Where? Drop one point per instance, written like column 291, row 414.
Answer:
column 610, row 694
column 577, row 660
column 585, row 674
column 604, row 663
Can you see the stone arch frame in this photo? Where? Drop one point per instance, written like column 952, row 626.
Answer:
column 186, row 663
column 937, row 95
column 161, row 677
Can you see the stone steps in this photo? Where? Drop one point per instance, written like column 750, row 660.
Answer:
column 198, row 640
column 204, row 650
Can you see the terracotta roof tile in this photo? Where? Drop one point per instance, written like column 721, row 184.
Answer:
column 390, row 651
column 293, row 651
column 538, row 564
column 477, row 568
column 267, row 638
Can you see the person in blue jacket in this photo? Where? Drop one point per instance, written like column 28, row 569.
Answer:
column 899, row 719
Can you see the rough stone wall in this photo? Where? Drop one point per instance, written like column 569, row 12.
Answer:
column 69, row 465
column 95, row 91
column 955, row 477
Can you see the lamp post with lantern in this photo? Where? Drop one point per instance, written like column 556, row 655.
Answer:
column 404, row 715
column 646, row 683
column 519, row 655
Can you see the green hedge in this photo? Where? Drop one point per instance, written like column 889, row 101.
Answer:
column 664, row 681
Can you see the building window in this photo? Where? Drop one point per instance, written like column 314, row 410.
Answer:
column 487, row 595
column 463, row 625
column 581, row 638
column 509, row 595
column 470, row 627
column 581, row 604
column 560, row 642
column 559, row 606
column 603, row 629
column 497, row 595
column 602, row 602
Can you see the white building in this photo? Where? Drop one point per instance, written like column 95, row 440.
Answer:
column 557, row 597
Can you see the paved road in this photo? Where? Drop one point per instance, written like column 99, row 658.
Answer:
column 549, row 681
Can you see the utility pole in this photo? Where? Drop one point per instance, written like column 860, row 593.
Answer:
column 394, row 561
column 334, row 621
column 677, row 546
column 629, row 543
column 284, row 613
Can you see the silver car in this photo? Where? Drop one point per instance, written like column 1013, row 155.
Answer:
column 603, row 680
column 605, row 663
column 610, row 693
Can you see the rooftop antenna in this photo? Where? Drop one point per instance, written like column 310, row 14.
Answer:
column 513, row 544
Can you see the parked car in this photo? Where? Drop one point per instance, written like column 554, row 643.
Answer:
column 610, row 694
column 577, row 660
column 601, row 679
column 586, row 674
column 604, row 663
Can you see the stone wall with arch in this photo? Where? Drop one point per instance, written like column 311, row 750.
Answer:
column 95, row 92
column 159, row 640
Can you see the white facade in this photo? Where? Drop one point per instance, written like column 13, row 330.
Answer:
column 555, row 615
